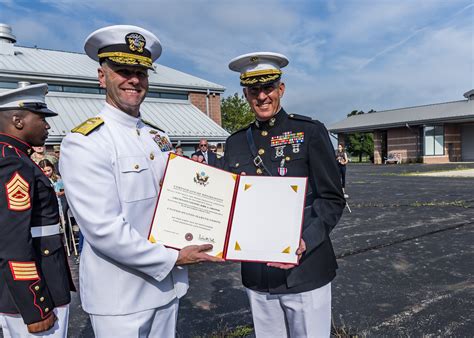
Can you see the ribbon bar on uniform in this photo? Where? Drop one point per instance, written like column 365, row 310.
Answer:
column 44, row 230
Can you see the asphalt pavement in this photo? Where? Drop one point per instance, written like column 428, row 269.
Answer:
column 405, row 254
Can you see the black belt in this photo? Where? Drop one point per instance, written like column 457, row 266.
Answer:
column 257, row 160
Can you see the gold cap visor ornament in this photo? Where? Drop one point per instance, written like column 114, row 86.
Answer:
column 124, row 45
column 258, row 68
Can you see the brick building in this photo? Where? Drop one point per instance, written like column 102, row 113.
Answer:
column 187, row 107
column 435, row 133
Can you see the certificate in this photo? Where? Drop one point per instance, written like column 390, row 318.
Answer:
column 245, row 218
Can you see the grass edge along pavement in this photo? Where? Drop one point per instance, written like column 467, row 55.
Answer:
column 457, row 171
column 248, row 331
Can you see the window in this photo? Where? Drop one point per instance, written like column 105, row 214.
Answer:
column 55, row 88
column 163, row 95
column 8, row 85
column 84, row 90
column 96, row 90
column 433, row 140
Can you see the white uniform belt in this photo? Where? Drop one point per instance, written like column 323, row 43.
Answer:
column 45, row 230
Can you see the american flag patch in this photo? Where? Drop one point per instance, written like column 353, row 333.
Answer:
column 18, row 193
column 24, row 270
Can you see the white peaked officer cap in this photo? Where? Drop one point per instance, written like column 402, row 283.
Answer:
column 31, row 98
column 258, row 68
column 124, row 45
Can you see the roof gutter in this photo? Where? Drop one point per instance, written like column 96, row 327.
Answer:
column 399, row 124
column 77, row 79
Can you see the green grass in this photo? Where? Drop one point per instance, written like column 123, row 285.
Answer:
column 416, row 204
column 417, row 172
column 461, row 204
column 239, row 331
column 458, row 168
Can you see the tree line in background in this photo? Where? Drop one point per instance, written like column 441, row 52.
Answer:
column 236, row 114
column 360, row 144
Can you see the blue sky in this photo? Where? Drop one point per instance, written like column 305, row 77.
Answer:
column 344, row 54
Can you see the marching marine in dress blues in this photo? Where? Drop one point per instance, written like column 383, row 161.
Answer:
column 288, row 300
column 35, row 281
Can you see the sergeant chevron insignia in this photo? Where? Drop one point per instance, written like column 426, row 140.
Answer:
column 18, row 193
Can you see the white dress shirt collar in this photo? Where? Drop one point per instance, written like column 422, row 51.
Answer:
column 119, row 116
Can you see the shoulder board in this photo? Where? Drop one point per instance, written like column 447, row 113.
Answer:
column 300, row 117
column 85, row 128
column 148, row 123
column 242, row 129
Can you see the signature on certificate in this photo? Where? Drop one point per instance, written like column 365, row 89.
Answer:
column 206, row 239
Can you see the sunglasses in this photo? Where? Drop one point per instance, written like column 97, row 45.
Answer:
column 267, row 89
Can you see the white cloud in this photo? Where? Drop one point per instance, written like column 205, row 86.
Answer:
column 344, row 55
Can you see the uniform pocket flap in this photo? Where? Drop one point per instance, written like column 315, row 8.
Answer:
column 236, row 163
column 48, row 245
column 132, row 164
column 289, row 156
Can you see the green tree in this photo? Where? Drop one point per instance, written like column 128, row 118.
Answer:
column 360, row 144
column 236, row 113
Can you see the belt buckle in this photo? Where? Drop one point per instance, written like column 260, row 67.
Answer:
column 257, row 161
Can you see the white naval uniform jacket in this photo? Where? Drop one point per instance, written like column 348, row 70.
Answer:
column 111, row 179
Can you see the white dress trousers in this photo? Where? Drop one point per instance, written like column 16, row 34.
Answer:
column 14, row 327
column 143, row 324
column 296, row 315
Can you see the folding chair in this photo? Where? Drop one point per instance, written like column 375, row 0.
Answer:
column 62, row 222
column 348, row 207
column 73, row 241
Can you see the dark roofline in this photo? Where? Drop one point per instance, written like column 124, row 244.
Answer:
column 219, row 88
column 52, row 50
column 404, row 108
column 468, row 118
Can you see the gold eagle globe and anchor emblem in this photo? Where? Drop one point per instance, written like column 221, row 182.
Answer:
column 136, row 42
column 201, row 178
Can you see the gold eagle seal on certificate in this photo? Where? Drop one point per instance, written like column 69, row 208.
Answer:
column 201, row 178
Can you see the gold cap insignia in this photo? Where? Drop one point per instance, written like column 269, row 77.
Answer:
column 136, row 42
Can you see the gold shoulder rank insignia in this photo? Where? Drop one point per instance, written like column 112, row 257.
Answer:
column 86, row 127
column 150, row 124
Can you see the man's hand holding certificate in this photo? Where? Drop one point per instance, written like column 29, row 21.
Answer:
column 245, row 218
